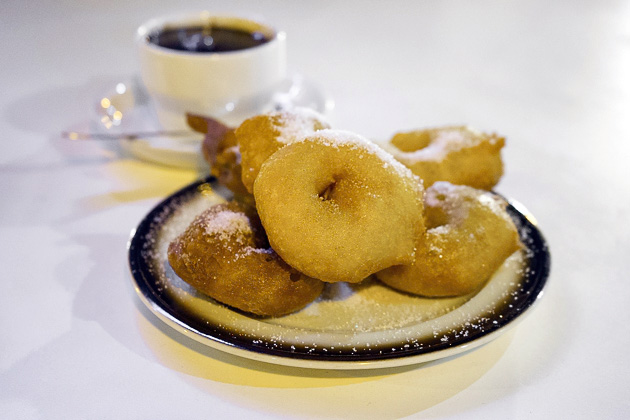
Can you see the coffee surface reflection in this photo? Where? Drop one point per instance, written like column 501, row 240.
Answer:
column 205, row 39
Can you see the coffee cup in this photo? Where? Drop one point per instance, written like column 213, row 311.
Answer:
column 225, row 67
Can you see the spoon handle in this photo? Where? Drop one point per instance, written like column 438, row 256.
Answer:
column 73, row 135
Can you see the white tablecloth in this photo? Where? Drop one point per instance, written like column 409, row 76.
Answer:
column 553, row 77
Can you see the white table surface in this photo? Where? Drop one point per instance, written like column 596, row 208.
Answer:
column 553, row 77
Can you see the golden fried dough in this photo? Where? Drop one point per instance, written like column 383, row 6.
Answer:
column 469, row 235
column 459, row 155
column 260, row 136
column 226, row 165
column 224, row 254
column 339, row 208
column 220, row 150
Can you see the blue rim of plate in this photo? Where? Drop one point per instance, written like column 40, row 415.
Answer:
column 151, row 292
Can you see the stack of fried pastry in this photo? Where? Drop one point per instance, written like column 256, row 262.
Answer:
column 313, row 205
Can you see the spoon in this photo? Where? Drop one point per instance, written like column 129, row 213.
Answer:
column 73, row 135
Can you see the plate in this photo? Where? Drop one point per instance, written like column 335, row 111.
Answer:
column 363, row 326
column 127, row 108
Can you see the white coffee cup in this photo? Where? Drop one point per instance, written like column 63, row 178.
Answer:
column 229, row 86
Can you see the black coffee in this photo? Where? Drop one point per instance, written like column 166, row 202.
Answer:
column 206, row 39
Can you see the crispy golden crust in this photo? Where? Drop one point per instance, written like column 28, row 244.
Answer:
column 456, row 154
column 224, row 157
column 338, row 208
column 261, row 136
column 469, row 236
column 224, row 254
column 220, row 150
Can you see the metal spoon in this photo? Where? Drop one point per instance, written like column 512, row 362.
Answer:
column 73, row 135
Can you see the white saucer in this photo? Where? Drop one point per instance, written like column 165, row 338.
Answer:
column 128, row 109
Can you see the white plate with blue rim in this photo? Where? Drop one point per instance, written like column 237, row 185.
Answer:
column 364, row 326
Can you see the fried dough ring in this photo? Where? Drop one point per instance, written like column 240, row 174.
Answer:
column 225, row 255
column 339, row 208
column 469, row 236
column 262, row 135
column 457, row 154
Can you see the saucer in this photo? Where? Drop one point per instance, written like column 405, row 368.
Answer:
column 127, row 109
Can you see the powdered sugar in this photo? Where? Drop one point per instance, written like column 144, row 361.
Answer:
column 250, row 250
column 342, row 138
column 494, row 204
column 447, row 141
column 456, row 198
column 225, row 224
column 298, row 123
